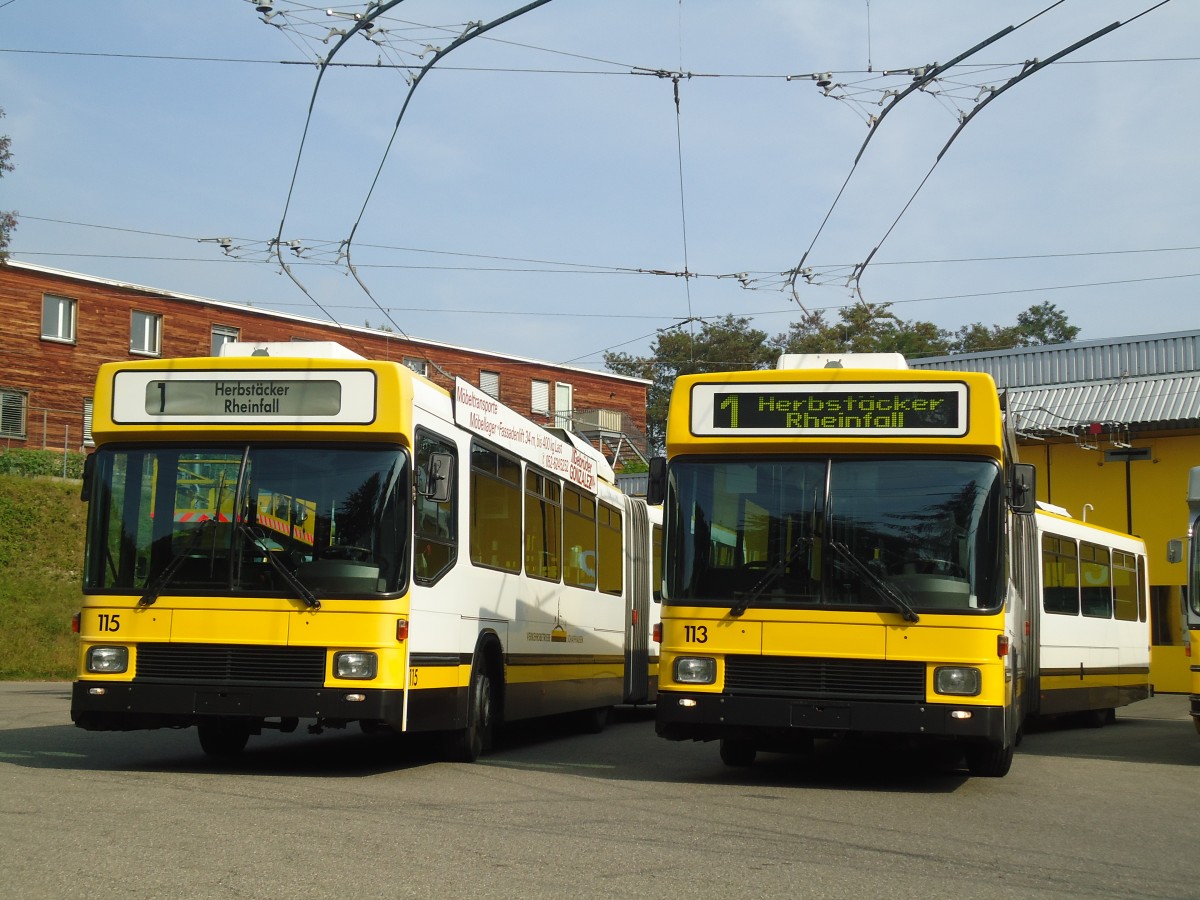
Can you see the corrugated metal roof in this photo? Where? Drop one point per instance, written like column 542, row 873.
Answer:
column 1052, row 364
column 1146, row 402
column 1136, row 382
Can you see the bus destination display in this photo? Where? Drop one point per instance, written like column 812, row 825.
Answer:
column 835, row 410
column 243, row 397
column 225, row 397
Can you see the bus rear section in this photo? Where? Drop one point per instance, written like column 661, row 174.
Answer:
column 1089, row 646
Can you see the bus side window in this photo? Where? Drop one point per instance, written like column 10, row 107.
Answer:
column 1060, row 576
column 435, row 525
column 1096, row 581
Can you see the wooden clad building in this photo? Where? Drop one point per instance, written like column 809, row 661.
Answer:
column 58, row 327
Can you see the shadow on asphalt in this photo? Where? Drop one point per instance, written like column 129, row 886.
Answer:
column 627, row 750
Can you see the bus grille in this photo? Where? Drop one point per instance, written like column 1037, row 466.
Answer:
column 849, row 679
column 231, row 663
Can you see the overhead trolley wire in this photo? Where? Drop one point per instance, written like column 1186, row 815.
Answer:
column 1029, row 69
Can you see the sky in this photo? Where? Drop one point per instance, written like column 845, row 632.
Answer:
column 584, row 176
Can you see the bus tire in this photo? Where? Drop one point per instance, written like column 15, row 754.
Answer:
column 468, row 744
column 987, row 759
column 223, row 738
column 738, row 752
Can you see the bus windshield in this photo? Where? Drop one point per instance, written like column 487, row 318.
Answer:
column 907, row 535
column 255, row 519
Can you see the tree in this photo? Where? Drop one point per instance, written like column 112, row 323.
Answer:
column 864, row 328
column 8, row 220
column 1042, row 324
column 730, row 344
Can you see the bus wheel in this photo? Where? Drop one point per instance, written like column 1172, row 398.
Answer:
column 737, row 752
column 223, row 738
column 468, row 744
column 988, row 759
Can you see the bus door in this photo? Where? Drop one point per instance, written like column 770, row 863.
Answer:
column 637, row 604
column 1191, row 602
column 1026, row 576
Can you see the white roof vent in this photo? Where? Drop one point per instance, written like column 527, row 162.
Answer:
column 842, row 361
column 1054, row 508
column 289, row 349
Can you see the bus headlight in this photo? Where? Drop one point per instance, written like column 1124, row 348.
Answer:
column 355, row 664
column 108, row 660
column 695, row 670
column 962, row 681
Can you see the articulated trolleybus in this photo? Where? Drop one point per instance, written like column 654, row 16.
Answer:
column 843, row 543
column 274, row 538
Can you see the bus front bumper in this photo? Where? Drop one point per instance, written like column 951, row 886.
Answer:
column 130, row 706
column 685, row 716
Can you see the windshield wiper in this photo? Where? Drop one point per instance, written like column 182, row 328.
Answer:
column 164, row 577
column 889, row 593
column 309, row 598
column 769, row 577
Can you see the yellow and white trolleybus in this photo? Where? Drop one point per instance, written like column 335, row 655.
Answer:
column 275, row 537
column 849, row 547
column 1088, row 637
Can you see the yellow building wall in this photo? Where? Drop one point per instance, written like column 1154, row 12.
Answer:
column 1146, row 497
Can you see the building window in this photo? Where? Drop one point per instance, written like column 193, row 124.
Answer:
column 420, row 366
column 222, row 335
column 12, row 413
column 564, row 405
column 539, row 400
column 489, row 383
column 1166, row 616
column 58, row 318
column 145, row 333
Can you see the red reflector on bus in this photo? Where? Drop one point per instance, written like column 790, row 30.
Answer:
column 402, row 629
column 657, row 632
column 75, row 623
column 1002, row 645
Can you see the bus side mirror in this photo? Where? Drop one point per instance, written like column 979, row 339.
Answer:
column 1022, row 490
column 439, row 477
column 656, row 481
column 1174, row 550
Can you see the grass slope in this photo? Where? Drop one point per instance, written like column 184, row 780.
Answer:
column 41, row 555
